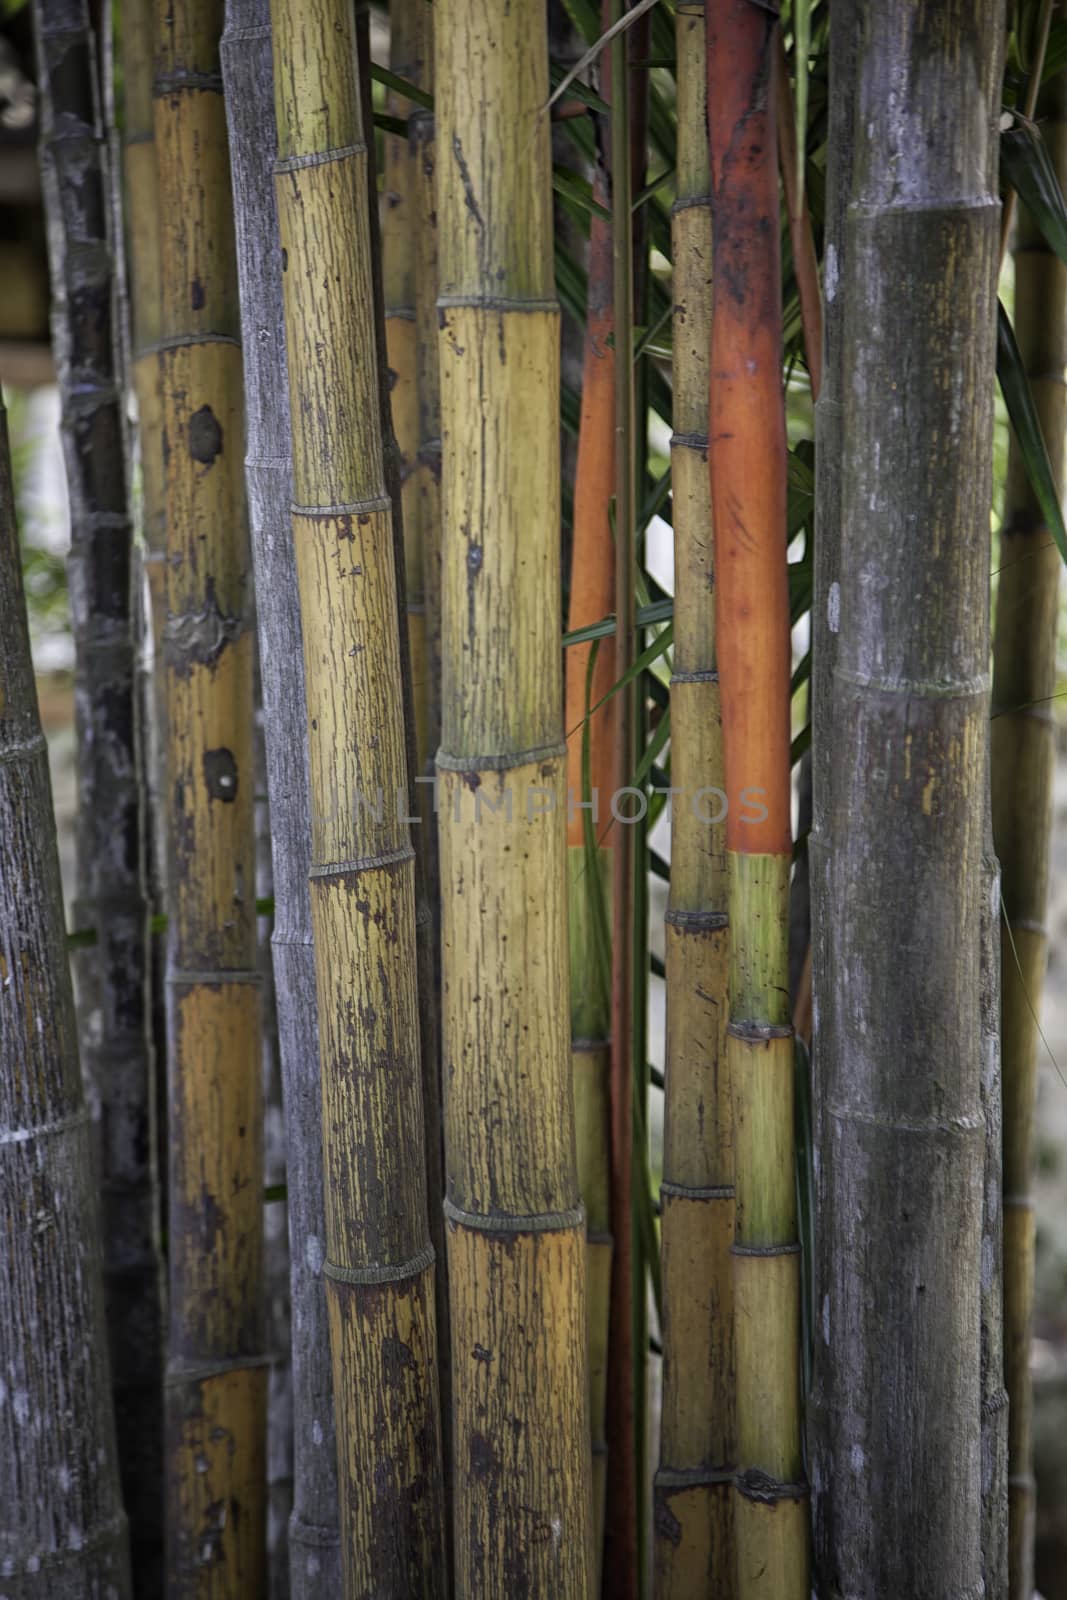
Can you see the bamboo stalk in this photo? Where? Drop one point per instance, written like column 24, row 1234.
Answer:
column 216, row 1373
column 140, row 217
column 427, row 508
column 63, row 1531
column 113, row 972
column 1023, row 753
column 748, row 488
column 427, row 913
column 901, row 1126
column 247, row 62
column 516, row 1228
column 693, row 1501
column 621, row 1542
column 379, row 1261
column 589, row 865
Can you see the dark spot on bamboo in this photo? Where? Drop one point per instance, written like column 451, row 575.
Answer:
column 397, row 1360
column 285, row 260
column 197, row 296
column 220, row 774
column 483, row 1462
column 205, row 436
column 480, row 1353
column 667, row 1525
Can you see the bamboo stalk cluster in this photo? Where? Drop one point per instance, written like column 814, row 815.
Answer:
column 354, row 395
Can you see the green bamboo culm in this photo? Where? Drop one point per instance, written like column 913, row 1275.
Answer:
column 1023, row 754
column 216, row 1370
column 516, row 1227
column 379, row 1263
column 693, row 1486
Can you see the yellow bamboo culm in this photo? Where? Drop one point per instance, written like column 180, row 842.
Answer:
column 216, row 1373
column 379, row 1264
column 523, row 1503
column 427, row 506
column 694, row 1552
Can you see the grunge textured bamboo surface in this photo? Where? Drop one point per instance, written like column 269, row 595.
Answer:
column 216, row 1375
column 379, row 1263
column 516, row 1228
column 899, row 1114
column 112, row 973
column 63, row 1531
column 693, row 1485
column 247, row 62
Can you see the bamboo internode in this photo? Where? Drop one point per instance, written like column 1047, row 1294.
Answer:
column 379, row 1263
column 516, row 1229
column 694, row 1500
column 216, row 1374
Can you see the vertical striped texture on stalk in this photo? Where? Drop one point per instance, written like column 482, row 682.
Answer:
column 516, row 1227
column 589, row 880
column 63, row 1531
column 247, row 61
column 693, row 1487
column 113, row 988
column 748, row 488
column 898, row 855
column 427, row 507
column 379, row 1262
column 216, row 1374
column 1023, row 753
column 140, row 219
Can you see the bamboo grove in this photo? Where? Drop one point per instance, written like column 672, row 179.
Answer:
column 559, row 436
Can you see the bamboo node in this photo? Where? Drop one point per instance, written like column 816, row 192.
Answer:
column 767, row 1250
column 166, row 85
column 351, row 508
column 683, row 1191
column 756, row 1485
column 759, row 1032
column 317, row 158
column 500, row 763
column 697, row 921
column 536, row 1222
column 181, row 1372
column 377, row 1274
column 347, row 869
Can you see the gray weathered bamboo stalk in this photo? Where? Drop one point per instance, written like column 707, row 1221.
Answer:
column 516, row 1228
column 1023, row 754
column 247, row 63
column 112, row 973
column 994, row 1395
column 898, row 1080
column 63, row 1531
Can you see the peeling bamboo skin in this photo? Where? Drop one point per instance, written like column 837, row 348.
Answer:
column 247, row 59
column 693, row 1507
column 63, row 1533
column 112, row 976
column 901, row 1146
column 1023, row 753
column 379, row 1262
column 215, row 1089
column 517, row 1271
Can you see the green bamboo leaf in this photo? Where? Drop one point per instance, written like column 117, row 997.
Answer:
column 394, row 125
column 401, row 86
column 579, row 91
column 647, row 617
column 578, row 190
column 1023, row 417
column 1026, row 164
column 585, row 16
column 627, row 20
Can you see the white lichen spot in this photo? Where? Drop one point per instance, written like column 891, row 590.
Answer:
column 857, row 1458
column 826, row 1319
column 202, row 1463
column 557, row 1531
column 830, row 273
column 64, row 1477
column 833, row 608
column 314, row 1254
column 21, row 1407
column 316, row 1432
column 314, row 1566
column 33, row 1564
column 75, row 1538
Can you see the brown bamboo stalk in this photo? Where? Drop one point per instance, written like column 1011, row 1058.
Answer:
column 694, row 1551
column 216, row 1373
